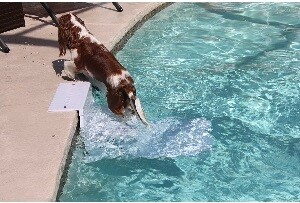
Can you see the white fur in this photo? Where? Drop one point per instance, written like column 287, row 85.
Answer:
column 83, row 32
column 114, row 80
column 74, row 54
column 140, row 111
column 69, row 69
column 130, row 95
column 100, row 85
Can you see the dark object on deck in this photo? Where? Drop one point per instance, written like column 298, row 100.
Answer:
column 3, row 46
column 117, row 6
column 11, row 17
column 50, row 12
column 54, row 18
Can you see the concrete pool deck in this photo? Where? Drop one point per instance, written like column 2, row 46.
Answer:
column 35, row 143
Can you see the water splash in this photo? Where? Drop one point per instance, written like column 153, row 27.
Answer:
column 106, row 136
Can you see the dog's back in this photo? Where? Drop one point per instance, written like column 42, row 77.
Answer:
column 93, row 59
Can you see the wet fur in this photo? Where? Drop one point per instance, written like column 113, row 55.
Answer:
column 93, row 59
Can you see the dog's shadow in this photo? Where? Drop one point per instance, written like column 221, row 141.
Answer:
column 58, row 66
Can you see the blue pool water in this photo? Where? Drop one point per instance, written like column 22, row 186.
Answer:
column 220, row 85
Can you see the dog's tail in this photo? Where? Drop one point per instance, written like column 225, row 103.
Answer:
column 137, row 107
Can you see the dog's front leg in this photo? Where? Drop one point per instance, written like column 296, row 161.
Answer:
column 70, row 69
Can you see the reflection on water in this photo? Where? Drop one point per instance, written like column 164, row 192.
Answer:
column 219, row 83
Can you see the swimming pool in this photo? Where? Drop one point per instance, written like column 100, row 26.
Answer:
column 219, row 84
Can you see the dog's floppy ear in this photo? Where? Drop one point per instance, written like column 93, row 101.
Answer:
column 64, row 32
column 116, row 101
column 136, row 105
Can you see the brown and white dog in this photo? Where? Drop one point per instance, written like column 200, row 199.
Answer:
column 93, row 59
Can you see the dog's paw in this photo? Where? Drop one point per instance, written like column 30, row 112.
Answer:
column 70, row 74
column 69, row 69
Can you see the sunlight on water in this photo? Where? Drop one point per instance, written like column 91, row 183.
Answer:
column 219, row 83
column 106, row 136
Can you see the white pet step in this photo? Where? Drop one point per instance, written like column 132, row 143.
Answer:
column 70, row 97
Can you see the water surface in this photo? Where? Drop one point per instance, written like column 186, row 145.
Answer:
column 219, row 83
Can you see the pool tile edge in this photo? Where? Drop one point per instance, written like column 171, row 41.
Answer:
column 115, row 45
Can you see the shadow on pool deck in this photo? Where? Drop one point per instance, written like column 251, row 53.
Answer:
column 35, row 11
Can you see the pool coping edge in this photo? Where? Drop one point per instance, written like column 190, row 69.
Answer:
column 114, row 46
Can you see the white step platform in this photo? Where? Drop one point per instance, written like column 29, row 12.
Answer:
column 70, row 97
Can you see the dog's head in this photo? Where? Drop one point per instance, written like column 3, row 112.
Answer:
column 69, row 29
column 119, row 99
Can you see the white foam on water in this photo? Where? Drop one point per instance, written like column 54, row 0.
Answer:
column 106, row 136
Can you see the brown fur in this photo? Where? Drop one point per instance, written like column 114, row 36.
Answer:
column 98, row 61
